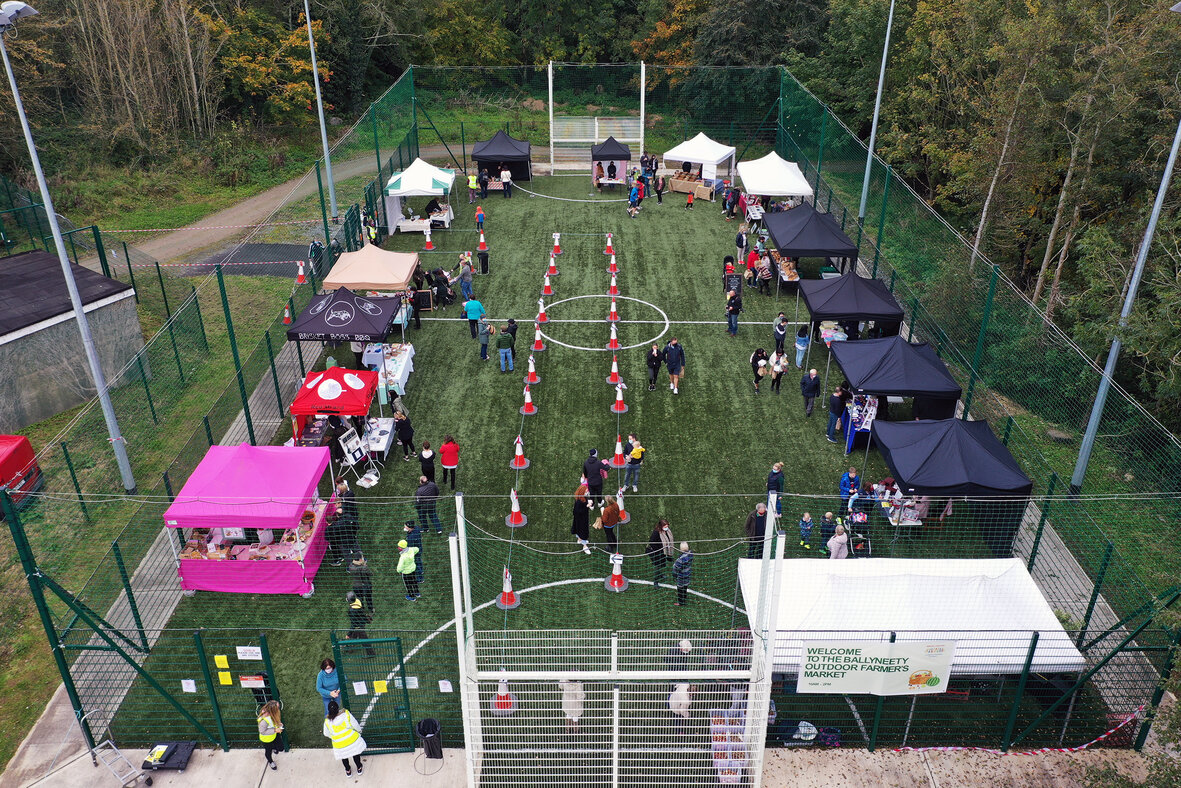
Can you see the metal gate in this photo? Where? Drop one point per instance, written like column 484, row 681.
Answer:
column 374, row 687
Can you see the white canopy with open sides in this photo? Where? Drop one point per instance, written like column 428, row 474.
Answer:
column 772, row 176
column 700, row 150
column 420, row 179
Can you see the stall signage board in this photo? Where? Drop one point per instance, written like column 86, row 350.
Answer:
column 875, row 668
column 352, row 446
column 733, row 282
column 252, row 682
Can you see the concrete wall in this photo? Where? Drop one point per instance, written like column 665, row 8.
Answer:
column 45, row 372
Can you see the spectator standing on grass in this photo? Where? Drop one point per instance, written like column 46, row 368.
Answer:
column 480, row 210
column 426, row 499
column 810, row 390
column 595, row 470
column 733, row 310
column 683, row 573
column 779, row 365
column 658, row 186
column 654, row 359
column 408, row 568
column 465, row 276
column 779, row 331
column 836, row 409
column 609, row 516
column 759, row 366
column 362, row 580
column 506, row 178
column 775, row 485
column 847, row 487
column 634, row 453
column 484, row 331
column 806, row 531
column 740, row 242
column 449, row 458
column 510, row 328
column 580, row 527
column 674, row 360
column 405, row 432
column 484, row 179
column 756, row 528
column 838, row 544
column 660, row 549
column 473, row 183
column 359, row 618
column 473, row 310
column 504, row 348
column 328, row 682
column 413, row 536
column 802, row 340
column 426, row 458
column 828, row 527
column 345, row 732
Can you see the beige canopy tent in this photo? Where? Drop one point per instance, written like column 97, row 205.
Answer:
column 372, row 268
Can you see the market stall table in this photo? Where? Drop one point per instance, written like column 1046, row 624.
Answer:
column 685, row 185
column 394, row 363
column 315, row 433
column 379, row 437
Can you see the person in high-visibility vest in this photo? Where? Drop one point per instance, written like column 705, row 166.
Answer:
column 270, row 730
column 473, row 183
column 345, row 732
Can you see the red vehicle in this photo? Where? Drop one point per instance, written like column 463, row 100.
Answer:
column 19, row 473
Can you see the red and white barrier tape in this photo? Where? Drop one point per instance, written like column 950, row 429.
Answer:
column 1131, row 717
column 206, row 265
column 213, row 227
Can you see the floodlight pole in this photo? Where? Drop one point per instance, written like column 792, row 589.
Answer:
column 877, row 106
column 118, row 445
column 307, row 15
column 549, row 72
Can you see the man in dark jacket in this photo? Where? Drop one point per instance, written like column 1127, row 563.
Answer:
column 660, row 549
column 836, row 409
column 756, row 527
column 359, row 618
column 810, row 390
column 740, row 243
column 425, row 501
column 683, row 573
column 733, row 310
column 592, row 469
column 654, row 359
column 674, row 359
column 362, row 580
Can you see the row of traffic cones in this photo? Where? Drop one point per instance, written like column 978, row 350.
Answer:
column 428, row 246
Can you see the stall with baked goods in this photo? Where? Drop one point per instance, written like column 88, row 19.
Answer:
column 420, row 179
column 703, row 182
column 805, row 232
column 770, row 176
column 251, row 520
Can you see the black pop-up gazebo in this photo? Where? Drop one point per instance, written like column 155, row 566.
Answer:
column 893, row 367
column 344, row 316
column 503, row 149
column 805, row 232
column 608, row 151
column 956, row 458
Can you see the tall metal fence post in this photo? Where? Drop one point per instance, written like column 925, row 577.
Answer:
column 463, row 146
column 143, row 376
column 344, row 693
column 1041, row 523
column 208, row 430
column 139, row 622
column 1159, row 692
column 101, row 251
column 1082, row 633
column 200, row 319
column 1008, row 430
column 221, row 727
column 979, row 353
column 914, row 318
column 33, row 575
column 74, row 479
column 274, row 372
column 877, row 711
column 1012, row 723
column 877, row 248
column 225, row 304
column 176, row 353
column 274, row 685
column 130, row 272
column 163, row 291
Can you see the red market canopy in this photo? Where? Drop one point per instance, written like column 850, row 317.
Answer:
column 336, row 391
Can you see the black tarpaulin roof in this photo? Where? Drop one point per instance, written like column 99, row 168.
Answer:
column 344, row 316
column 611, row 149
column 804, row 232
column 33, row 288
column 949, row 457
column 501, row 147
column 849, row 297
column 894, row 367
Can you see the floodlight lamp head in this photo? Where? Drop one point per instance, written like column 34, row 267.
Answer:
column 12, row 10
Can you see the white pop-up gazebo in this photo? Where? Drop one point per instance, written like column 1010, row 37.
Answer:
column 704, row 151
column 420, row 179
column 990, row 607
column 772, row 176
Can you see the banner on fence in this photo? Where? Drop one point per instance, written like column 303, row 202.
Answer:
column 855, row 667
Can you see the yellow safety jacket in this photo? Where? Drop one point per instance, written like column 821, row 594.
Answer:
column 341, row 731
column 267, row 737
column 471, row 182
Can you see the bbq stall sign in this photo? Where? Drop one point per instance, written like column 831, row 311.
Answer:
column 875, row 668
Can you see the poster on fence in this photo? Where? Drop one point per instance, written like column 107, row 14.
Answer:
column 875, row 668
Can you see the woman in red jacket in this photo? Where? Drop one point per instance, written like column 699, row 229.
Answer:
column 449, row 458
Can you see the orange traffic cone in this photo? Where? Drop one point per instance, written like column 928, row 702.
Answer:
column 613, row 268
column 483, row 247
column 610, row 249
column 532, row 378
column 428, row 246
column 508, row 597
column 299, row 277
column 614, row 288
column 528, row 409
column 614, row 343
column 619, row 460
column 557, row 246
column 613, row 315
column 519, row 463
column 553, row 266
column 616, row 581
column 504, row 702
column 614, row 378
column 548, row 289
column 538, row 345
column 542, row 317
column 515, row 519
column 619, row 406
column 624, row 517
column 286, row 315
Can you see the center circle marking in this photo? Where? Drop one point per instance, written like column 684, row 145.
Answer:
column 667, row 323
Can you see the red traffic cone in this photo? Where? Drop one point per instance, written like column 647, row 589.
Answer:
column 286, row 315
column 515, row 519
column 508, row 597
column 538, row 345
column 548, row 289
column 624, row 517
column 613, row 268
column 614, row 288
column 428, row 246
column 553, row 266
column 613, row 315
column 614, row 343
column 619, row 406
column 519, row 463
column 532, row 378
column 483, row 247
column 610, row 249
column 619, row 460
column 504, row 702
column 528, row 409
column 542, row 317
column 614, row 378
column 299, row 277
column 557, row 246
column 616, row 581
